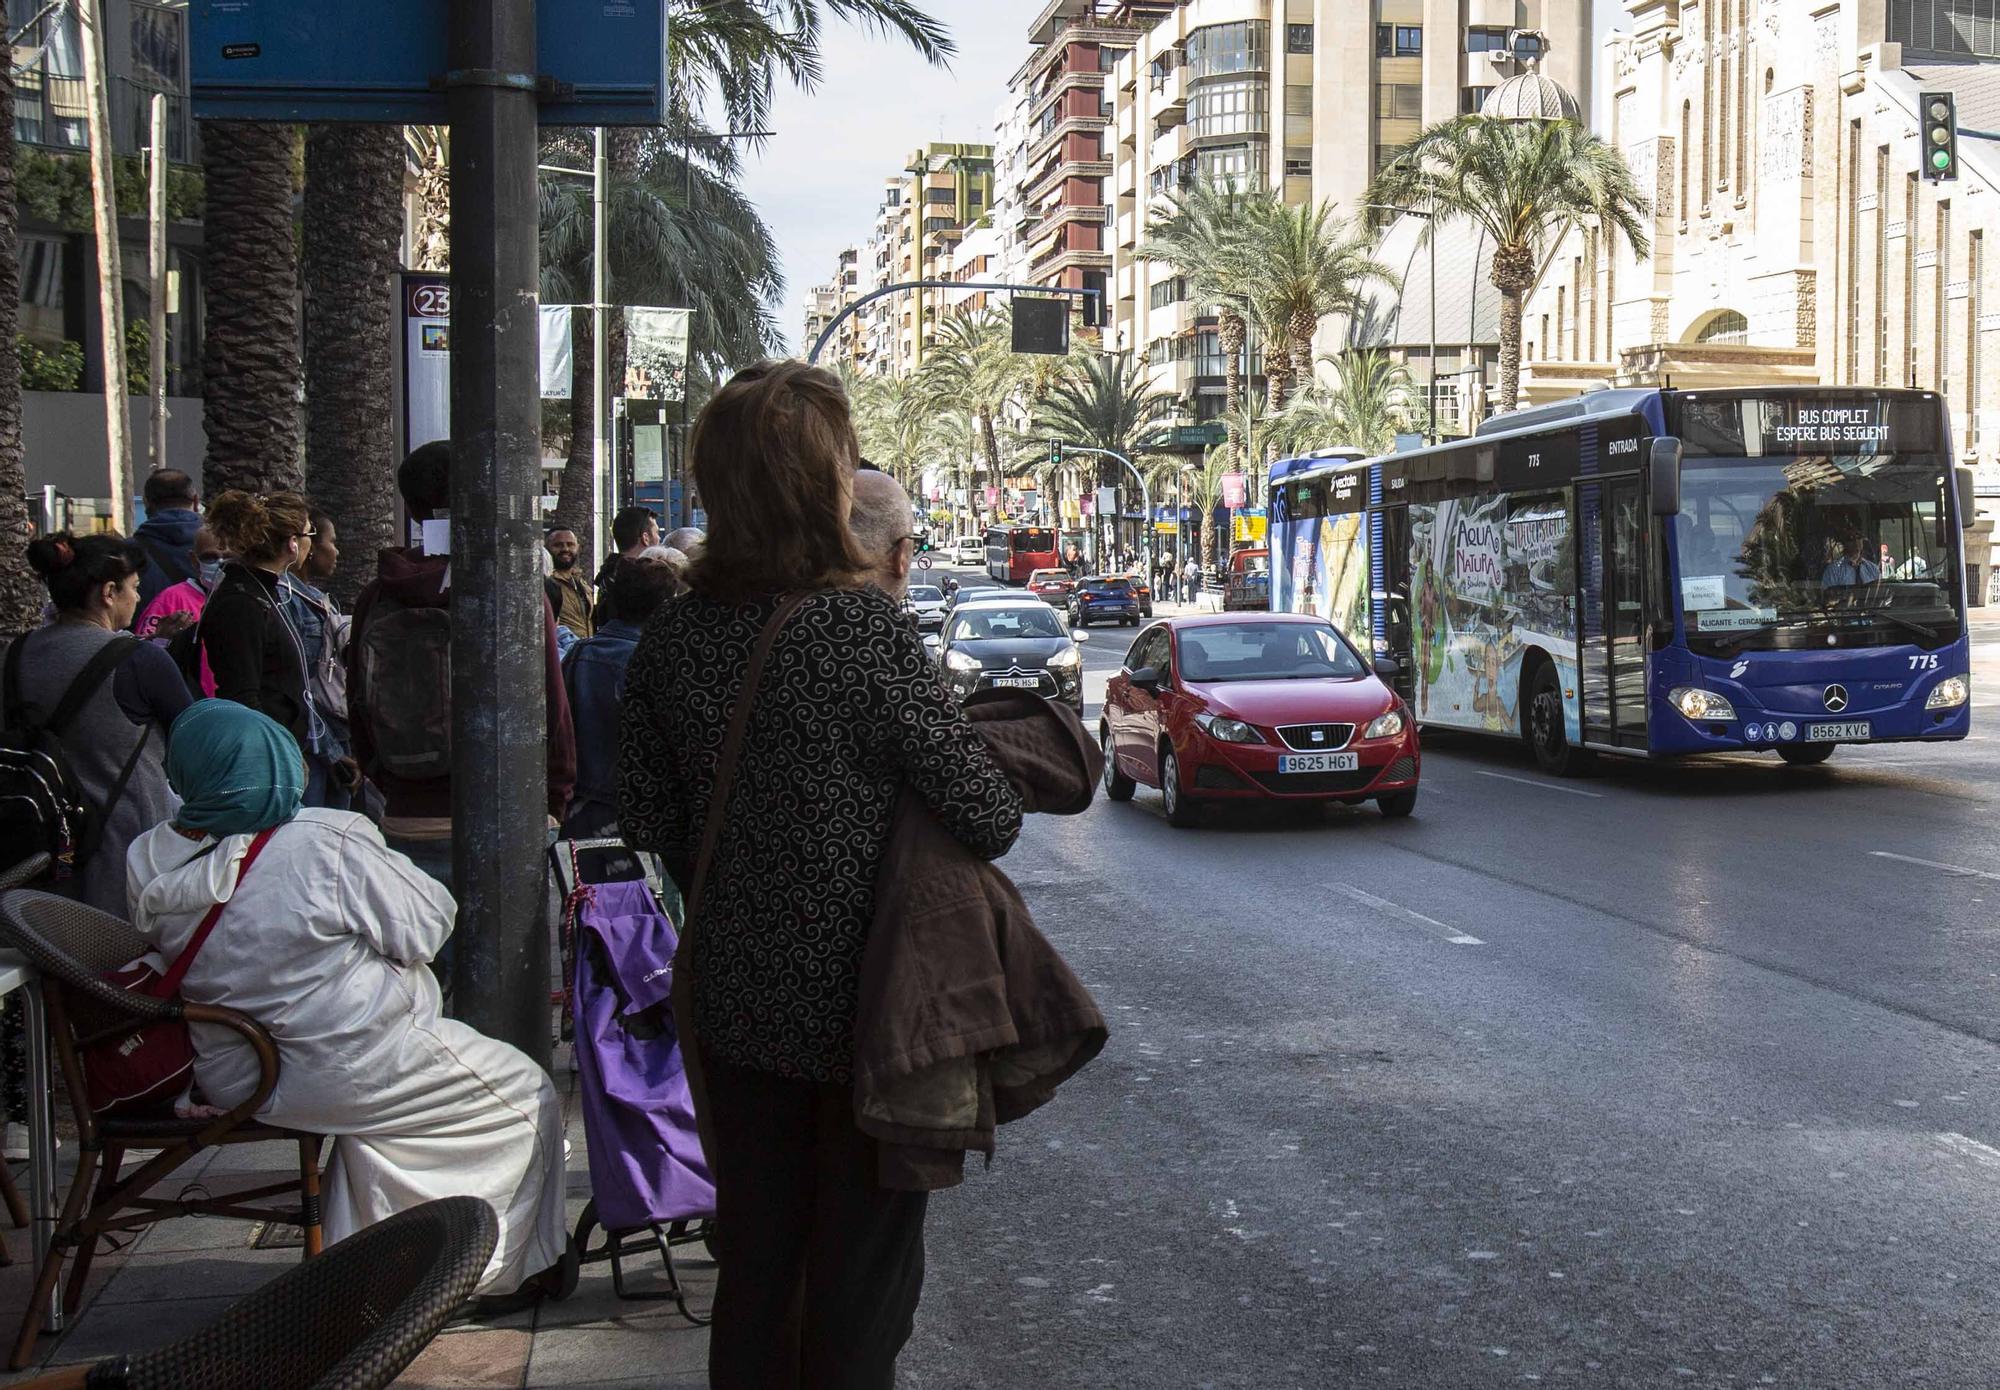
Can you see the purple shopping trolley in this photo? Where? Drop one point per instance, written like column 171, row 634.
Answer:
column 650, row 1185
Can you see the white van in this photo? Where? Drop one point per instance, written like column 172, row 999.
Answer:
column 969, row 550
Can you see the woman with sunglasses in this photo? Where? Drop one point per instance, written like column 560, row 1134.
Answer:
column 256, row 652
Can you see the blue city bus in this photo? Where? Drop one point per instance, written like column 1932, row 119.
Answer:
column 1654, row 573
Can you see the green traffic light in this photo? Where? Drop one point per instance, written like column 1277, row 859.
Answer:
column 1940, row 160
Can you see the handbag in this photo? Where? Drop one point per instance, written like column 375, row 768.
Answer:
column 153, row 1063
column 711, row 836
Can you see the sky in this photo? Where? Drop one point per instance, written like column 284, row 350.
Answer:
column 819, row 180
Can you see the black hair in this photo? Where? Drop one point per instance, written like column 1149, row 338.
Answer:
column 74, row 568
column 168, row 489
column 424, row 479
column 639, row 588
column 555, row 531
column 630, row 524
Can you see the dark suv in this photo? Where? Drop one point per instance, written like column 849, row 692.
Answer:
column 1102, row 598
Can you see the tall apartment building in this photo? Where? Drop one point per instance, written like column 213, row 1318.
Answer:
column 1307, row 97
column 1064, row 192
column 823, row 306
column 943, row 191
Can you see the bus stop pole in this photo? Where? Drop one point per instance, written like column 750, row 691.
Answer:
column 498, row 719
column 1145, row 499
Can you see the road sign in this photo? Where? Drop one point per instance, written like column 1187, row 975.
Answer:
column 601, row 62
column 1041, row 326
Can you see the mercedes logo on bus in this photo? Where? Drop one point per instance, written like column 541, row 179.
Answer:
column 1836, row 698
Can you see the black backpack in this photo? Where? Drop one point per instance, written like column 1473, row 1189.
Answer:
column 43, row 809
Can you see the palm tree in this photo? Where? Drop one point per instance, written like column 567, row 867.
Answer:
column 677, row 234
column 353, row 245
column 251, row 374
column 20, row 594
column 1202, row 231
column 1371, row 399
column 1108, row 404
column 1525, row 183
column 970, row 365
column 1309, row 266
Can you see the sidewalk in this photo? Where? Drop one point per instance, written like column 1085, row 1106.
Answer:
column 179, row 1275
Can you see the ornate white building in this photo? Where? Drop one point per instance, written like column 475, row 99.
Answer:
column 1794, row 236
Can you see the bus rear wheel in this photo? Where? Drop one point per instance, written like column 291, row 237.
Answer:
column 1806, row 754
column 1548, row 735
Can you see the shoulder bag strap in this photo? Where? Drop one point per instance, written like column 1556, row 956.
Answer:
column 87, row 680
column 179, row 969
column 732, row 748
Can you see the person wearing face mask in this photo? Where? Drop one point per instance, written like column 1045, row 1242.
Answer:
column 115, row 744
column 257, row 653
column 178, row 607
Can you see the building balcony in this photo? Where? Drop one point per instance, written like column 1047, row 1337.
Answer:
column 1055, row 262
column 1128, row 125
column 1064, row 215
column 1048, row 182
column 1061, row 84
column 1053, row 49
column 1047, row 142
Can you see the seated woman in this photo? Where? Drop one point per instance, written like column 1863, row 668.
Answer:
column 327, row 941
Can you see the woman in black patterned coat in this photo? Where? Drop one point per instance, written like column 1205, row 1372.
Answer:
column 819, row 1267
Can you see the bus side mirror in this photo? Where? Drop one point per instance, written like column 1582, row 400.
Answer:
column 1664, row 473
column 1968, row 504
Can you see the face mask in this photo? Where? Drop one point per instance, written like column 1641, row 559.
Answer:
column 211, row 574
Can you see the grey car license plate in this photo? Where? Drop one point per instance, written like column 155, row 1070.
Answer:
column 1837, row 733
column 1318, row 762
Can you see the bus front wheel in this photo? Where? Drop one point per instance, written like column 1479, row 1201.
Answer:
column 1806, row 754
column 1547, row 733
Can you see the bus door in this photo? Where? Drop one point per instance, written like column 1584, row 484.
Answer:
column 1624, row 599
column 1392, row 598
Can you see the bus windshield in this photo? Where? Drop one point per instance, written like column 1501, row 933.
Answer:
column 1816, row 551
column 1034, row 541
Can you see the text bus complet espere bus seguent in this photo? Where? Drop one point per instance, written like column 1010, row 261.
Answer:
column 1013, row 553
column 1654, row 572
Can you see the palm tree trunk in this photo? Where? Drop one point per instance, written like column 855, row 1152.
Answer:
column 991, row 441
column 353, row 248
column 1229, row 335
column 20, row 592
column 1513, row 274
column 251, row 375
column 575, row 498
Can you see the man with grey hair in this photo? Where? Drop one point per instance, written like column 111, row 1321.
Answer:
column 880, row 521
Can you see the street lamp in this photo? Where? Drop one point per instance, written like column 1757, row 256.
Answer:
column 1430, row 386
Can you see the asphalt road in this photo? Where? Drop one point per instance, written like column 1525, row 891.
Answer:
column 1713, row 1101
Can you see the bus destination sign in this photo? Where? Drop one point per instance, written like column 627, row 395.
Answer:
column 1790, row 425
column 1837, row 428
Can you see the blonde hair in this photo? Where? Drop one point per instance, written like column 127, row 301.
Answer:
column 773, row 458
column 256, row 529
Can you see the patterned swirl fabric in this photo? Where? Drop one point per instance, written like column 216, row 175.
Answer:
column 850, row 707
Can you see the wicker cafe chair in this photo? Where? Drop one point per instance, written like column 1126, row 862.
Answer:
column 72, row 946
column 27, row 871
column 350, row 1320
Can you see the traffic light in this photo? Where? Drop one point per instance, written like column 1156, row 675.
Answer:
column 1940, row 125
column 1055, row 453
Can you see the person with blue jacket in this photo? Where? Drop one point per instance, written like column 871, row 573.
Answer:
column 594, row 672
column 173, row 515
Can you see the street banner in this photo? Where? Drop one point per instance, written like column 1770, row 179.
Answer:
column 992, row 496
column 1107, row 501
column 555, row 352
column 656, row 353
column 1235, row 491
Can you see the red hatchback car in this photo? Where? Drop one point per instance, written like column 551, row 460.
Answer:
column 1247, row 707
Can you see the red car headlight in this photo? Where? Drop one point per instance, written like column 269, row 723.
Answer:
column 1386, row 725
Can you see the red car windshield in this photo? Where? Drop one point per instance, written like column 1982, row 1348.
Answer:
column 1265, row 652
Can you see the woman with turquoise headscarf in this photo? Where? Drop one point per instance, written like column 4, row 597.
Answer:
column 327, row 941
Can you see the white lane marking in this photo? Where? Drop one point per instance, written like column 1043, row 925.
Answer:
column 1532, row 782
column 1403, row 914
column 1985, row 1155
column 1954, row 870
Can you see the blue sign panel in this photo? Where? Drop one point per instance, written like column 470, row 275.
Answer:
column 603, row 61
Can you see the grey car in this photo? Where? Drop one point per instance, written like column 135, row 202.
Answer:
column 1023, row 645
